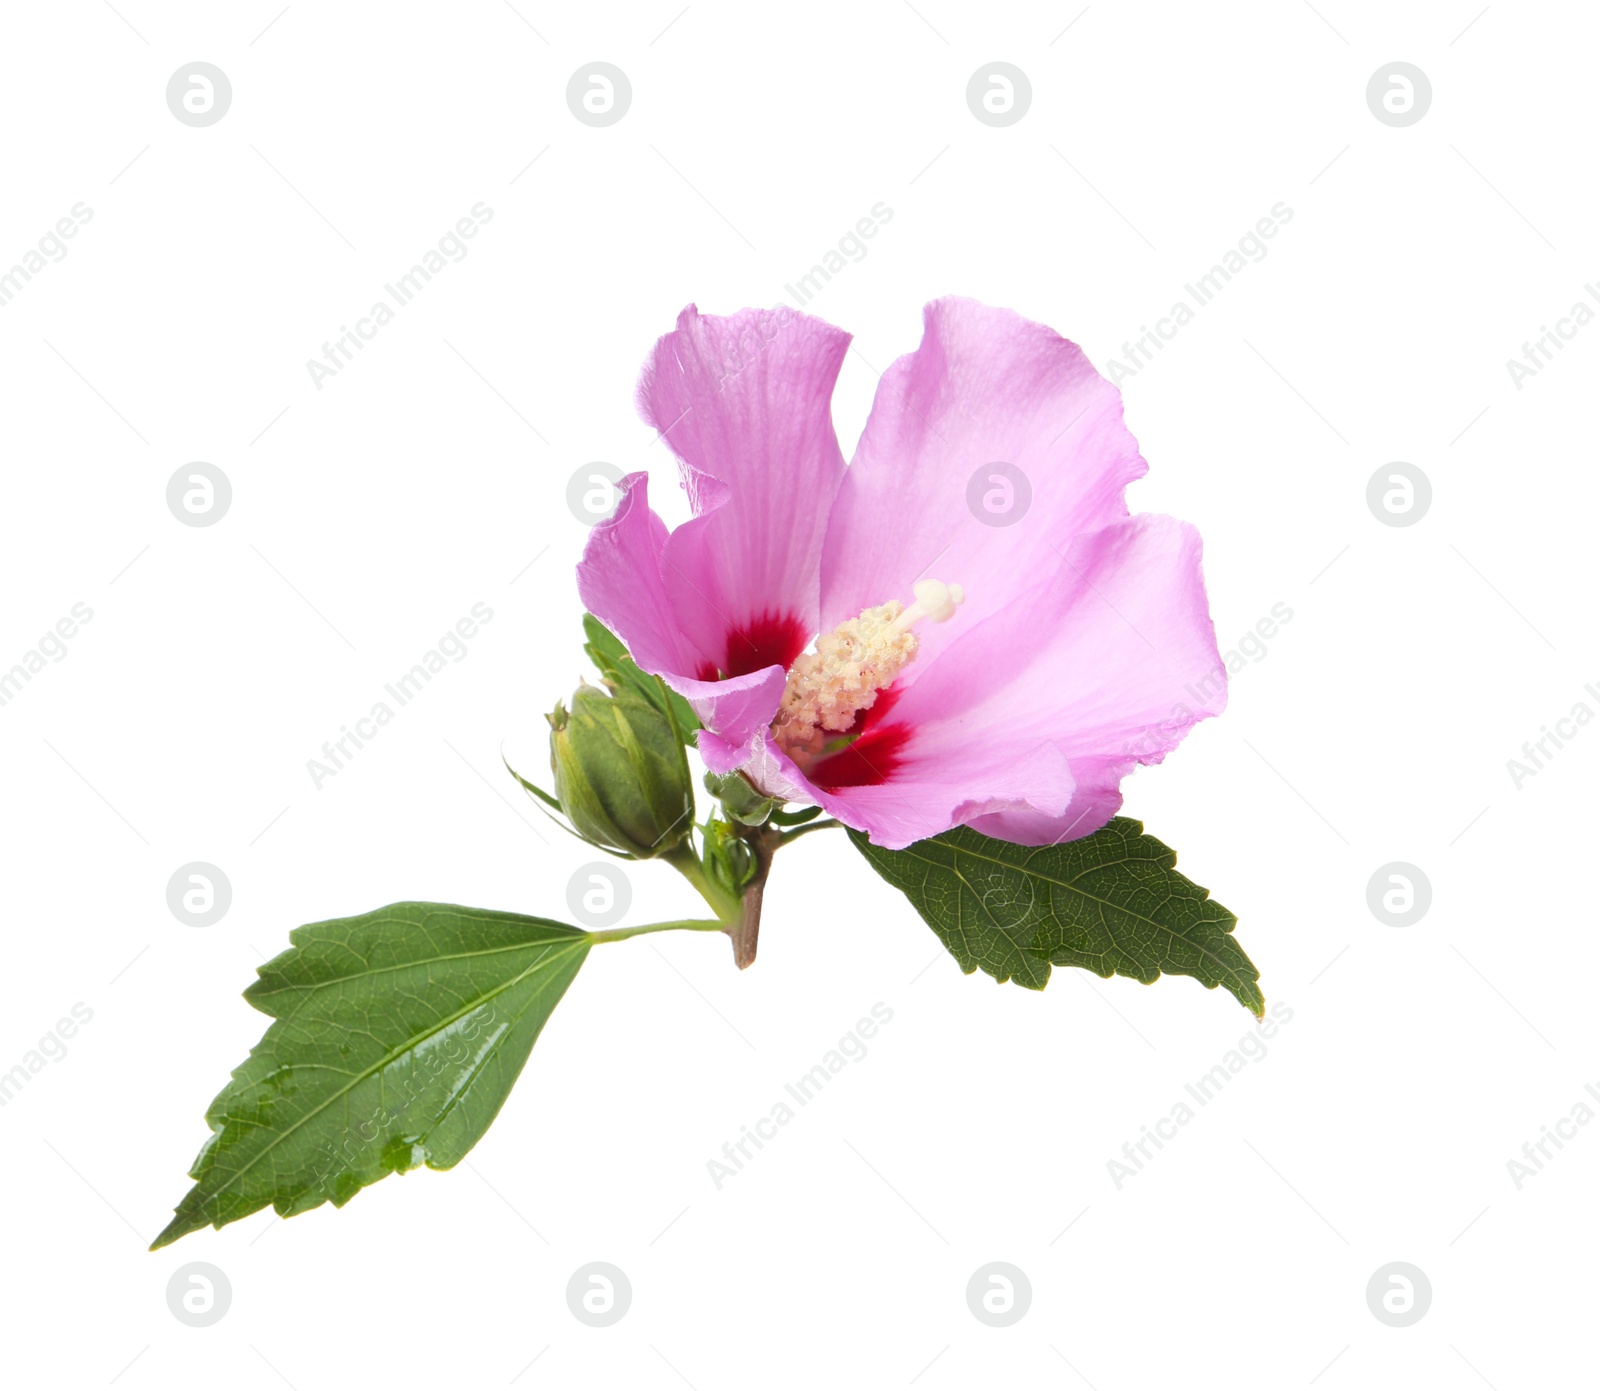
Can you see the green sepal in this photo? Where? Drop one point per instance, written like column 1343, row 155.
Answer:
column 727, row 859
column 795, row 818
column 739, row 799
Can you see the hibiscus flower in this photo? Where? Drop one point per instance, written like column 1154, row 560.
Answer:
column 998, row 642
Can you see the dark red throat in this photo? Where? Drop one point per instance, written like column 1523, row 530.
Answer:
column 874, row 753
column 771, row 640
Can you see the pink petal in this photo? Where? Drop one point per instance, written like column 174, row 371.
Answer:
column 1024, row 726
column 622, row 580
column 744, row 402
column 927, row 794
column 986, row 386
column 735, row 713
column 1096, row 800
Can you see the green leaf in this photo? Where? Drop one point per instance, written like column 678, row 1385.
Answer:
column 396, row 1037
column 1112, row 903
column 619, row 671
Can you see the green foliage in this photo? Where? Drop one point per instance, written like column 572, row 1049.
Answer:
column 1111, row 902
column 396, row 1037
column 620, row 672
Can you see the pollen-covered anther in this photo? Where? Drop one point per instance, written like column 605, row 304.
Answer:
column 829, row 688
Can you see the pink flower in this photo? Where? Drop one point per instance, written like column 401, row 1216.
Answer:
column 1083, row 646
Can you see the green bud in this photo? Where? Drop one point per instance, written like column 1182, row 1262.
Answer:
column 739, row 799
column 620, row 774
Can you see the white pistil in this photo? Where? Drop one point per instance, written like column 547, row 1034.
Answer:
column 936, row 601
column 829, row 688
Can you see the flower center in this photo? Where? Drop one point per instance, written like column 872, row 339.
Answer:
column 829, row 689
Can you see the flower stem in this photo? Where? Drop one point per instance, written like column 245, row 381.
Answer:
column 764, row 842
column 687, row 863
column 621, row 934
column 739, row 917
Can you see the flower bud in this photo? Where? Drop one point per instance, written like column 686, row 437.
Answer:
column 620, row 773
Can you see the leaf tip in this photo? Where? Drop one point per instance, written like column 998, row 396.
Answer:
column 180, row 1226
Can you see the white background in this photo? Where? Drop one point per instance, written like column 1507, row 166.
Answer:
column 430, row 474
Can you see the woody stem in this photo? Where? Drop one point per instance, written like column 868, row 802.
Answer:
column 763, row 842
